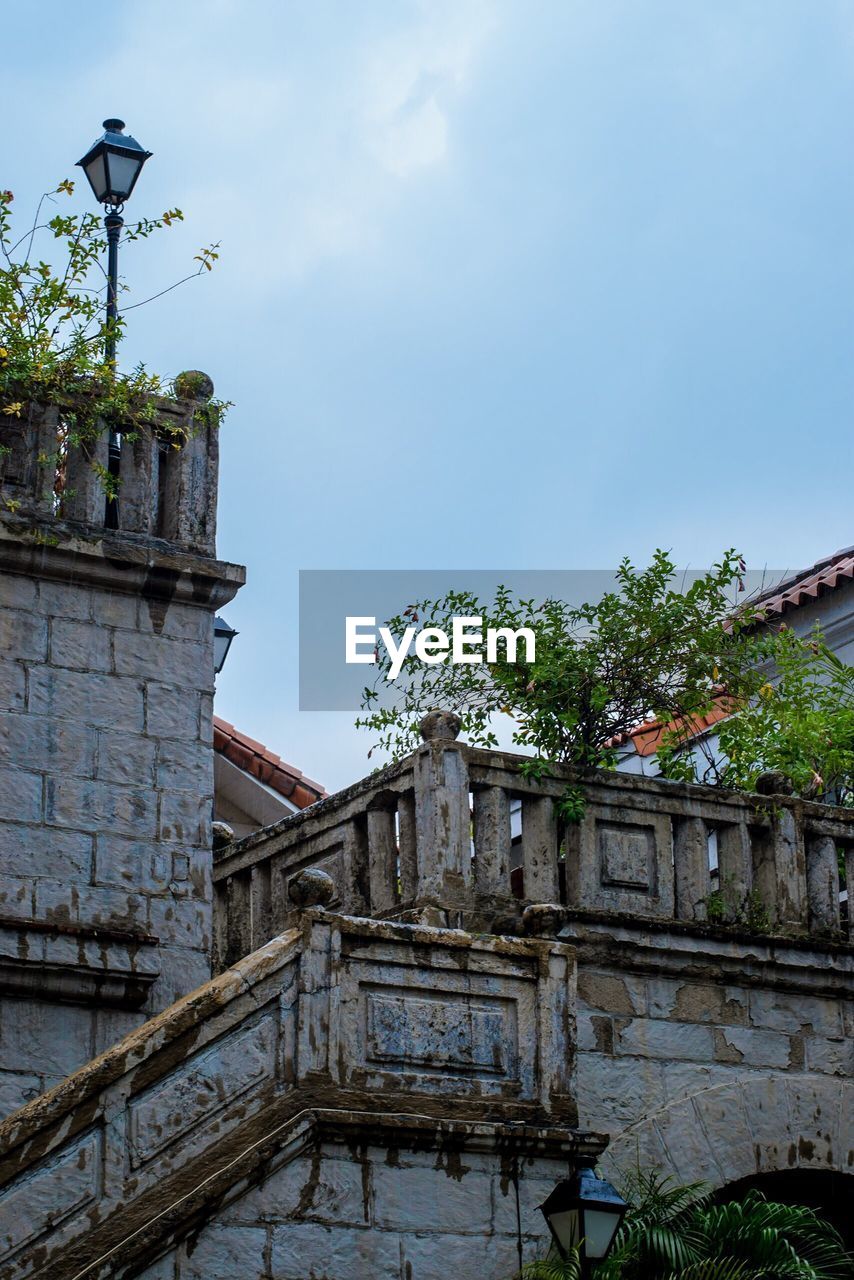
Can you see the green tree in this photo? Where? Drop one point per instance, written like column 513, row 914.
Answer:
column 795, row 718
column 801, row 723
column 646, row 649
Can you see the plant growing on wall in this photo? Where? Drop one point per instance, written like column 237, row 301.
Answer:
column 53, row 326
column 646, row 649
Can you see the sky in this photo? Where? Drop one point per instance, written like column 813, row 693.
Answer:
column 523, row 284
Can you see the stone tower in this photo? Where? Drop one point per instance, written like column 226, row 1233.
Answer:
column 106, row 767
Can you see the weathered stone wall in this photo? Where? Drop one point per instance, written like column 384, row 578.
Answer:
column 672, row 1005
column 106, row 788
column 668, row 1023
column 383, row 1213
column 356, row 1094
column 106, row 760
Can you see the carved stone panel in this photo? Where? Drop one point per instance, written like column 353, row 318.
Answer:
column 202, row 1089
column 440, row 1020
column 450, row 1033
column 621, row 859
column 627, row 856
column 66, row 1185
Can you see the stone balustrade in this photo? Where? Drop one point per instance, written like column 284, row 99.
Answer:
column 164, row 491
column 463, row 833
column 340, row 1030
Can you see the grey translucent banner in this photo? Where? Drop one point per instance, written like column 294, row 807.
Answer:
column 328, row 597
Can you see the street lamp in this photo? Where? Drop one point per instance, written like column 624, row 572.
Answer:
column 584, row 1212
column 223, row 636
column 112, row 165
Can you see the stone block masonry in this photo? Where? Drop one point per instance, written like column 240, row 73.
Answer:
column 670, row 1023
column 391, row 1214
column 675, row 1012
column 106, row 797
column 331, row 1108
column 106, row 784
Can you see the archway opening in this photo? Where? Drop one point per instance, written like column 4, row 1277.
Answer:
column 829, row 1193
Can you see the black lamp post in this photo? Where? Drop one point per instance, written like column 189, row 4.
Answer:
column 112, row 165
column 584, row 1213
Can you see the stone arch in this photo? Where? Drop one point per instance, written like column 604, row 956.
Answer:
column 761, row 1123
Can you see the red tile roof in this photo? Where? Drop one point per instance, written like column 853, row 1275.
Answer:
column 804, row 587
column 646, row 738
column 254, row 758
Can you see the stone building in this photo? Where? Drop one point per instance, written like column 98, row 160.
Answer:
column 346, row 1045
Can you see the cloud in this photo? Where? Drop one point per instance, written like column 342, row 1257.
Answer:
column 414, row 81
column 315, row 121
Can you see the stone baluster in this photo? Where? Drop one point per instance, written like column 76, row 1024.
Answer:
column 85, row 498
column 407, row 846
column 779, row 862
column 260, row 902
column 139, row 481
column 823, row 884
column 492, row 841
column 28, row 448
column 238, row 941
column 355, row 889
column 788, row 902
column 735, row 865
column 539, row 849
column 220, row 926
column 188, row 515
column 442, row 816
column 382, row 857
column 691, row 868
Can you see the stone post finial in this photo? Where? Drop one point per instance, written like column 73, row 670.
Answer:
column 774, row 783
column 311, row 888
column 223, row 835
column 192, row 384
column 543, row 919
column 440, row 726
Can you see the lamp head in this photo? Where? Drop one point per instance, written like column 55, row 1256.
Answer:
column 113, row 163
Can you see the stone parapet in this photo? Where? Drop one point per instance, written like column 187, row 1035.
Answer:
column 398, row 1036
column 434, row 837
column 167, row 479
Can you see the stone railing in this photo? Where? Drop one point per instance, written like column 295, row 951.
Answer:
column 164, row 491
column 336, row 1016
column 459, row 835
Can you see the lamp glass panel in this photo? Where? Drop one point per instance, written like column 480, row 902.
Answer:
column 96, row 172
column 564, row 1224
column 599, row 1228
column 123, row 171
column 221, row 642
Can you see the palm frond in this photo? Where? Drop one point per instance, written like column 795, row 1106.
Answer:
column 715, row 1269
column 674, row 1232
column 551, row 1268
